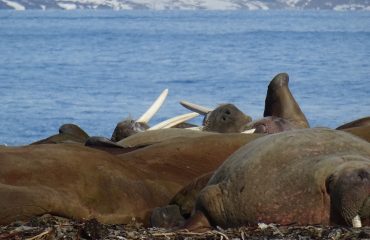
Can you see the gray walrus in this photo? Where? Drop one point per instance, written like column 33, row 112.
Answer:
column 308, row 176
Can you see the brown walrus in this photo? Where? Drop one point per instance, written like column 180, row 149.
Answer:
column 281, row 112
column 226, row 118
column 365, row 121
column 183, row 203
column 72, row 133
column 360, row 131
column 67, row 133
column 303, row 177
column 75, row 181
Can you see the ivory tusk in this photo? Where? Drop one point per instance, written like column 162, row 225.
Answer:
column 356, row 222
column 249, row 131
column 196, row 108
column 145, row 118
column 174, row 121
column 200, row 128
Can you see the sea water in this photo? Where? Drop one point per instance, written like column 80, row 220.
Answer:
column 95, row 68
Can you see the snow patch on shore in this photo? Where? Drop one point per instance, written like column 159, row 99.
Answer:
column 14, row 5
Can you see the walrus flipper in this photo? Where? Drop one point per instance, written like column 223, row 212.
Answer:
column 281, row 103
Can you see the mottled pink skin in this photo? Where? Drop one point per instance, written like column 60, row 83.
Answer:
column 271, row 125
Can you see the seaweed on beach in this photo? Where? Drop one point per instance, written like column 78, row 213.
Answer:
column 53, row 227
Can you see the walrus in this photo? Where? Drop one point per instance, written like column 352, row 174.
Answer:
column 361, row 131
column 182, row 204
column 79, row 182
column 302, row 177
column 280, row 102
column 226, row 118
column 67, row 133
column 365, row 121
column 74, row 134
column 281, row 113
column 155, row 136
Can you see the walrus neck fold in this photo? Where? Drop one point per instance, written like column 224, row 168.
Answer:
column 280, row 102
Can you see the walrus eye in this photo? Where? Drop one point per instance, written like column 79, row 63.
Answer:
column 228, row 112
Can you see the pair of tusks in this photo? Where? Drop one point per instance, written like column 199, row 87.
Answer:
column 154, row 108
column 197, row 110
column 204, row 111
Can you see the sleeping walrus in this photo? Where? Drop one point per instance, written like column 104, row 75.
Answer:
column 308, row 176
column 79, row 182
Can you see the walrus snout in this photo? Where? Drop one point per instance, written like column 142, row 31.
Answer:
column 349, row 191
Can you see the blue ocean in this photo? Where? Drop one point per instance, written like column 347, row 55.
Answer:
column 95, row 68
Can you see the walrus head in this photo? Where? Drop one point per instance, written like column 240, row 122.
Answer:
column 226, row 118
column 281, row 103
column 127, row 128
column 349, row 190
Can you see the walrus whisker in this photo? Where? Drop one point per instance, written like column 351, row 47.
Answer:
column 152, row 110
column 195, row 107
column 174, row 121
column 356, row 222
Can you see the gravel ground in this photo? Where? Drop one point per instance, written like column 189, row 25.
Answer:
column 52, row 227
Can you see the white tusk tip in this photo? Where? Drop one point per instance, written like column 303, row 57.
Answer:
column 356, row 222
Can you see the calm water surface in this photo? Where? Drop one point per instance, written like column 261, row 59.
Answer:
column 94, row 68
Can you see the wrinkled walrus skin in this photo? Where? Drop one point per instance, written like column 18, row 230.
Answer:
column 308, row 176
column 79, row 182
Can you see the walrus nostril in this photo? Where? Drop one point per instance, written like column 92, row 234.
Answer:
column 363, row 174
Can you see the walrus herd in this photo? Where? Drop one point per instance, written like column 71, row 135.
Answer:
column 230, row 172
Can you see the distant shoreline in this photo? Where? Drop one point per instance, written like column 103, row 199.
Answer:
column 159, row 5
